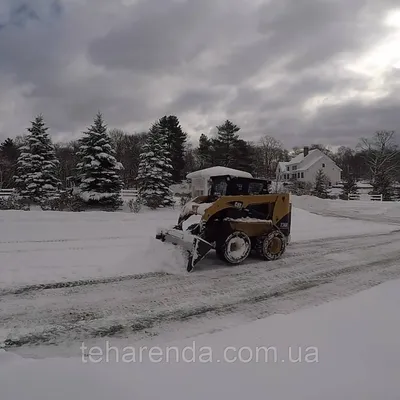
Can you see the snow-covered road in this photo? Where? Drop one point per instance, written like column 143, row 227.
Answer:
column 157, row 301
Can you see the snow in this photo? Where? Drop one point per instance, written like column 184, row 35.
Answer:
column 192, row 207
column 346, row 349
column 300, row 157
column 41, row 247
column 387, row 211
column 91, row 195
column 305, row 167
column 218, row 171
column 248, row 219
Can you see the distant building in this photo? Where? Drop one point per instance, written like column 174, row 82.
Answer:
column 305, row 166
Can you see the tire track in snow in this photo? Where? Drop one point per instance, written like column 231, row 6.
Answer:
column 77, row 248
column 67, row 240
column 70, row 284
column 295, row 250
column 120, row 309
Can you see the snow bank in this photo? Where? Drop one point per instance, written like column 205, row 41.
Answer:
column 347, row 349
column 307, row 226
column 385, row 211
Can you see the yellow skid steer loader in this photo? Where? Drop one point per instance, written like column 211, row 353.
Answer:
column 239, row 215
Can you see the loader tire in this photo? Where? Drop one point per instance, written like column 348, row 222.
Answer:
column 271, row 246
column 235, row 248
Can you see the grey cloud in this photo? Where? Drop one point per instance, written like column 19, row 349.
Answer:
column 200, row 60
column 200, row 100
column 162, row 35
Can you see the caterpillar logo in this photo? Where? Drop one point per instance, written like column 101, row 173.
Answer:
column 238, row 204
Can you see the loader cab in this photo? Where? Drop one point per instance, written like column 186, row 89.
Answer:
column 227, row 185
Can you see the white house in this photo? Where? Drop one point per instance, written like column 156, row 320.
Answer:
column 199, row 180
column 305, row 166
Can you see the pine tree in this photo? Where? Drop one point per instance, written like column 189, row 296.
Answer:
column 9, row 150
column 225, row 143
column 8, row 162
column 155, row 170
column 321, row 185
column 37, row 165
column 242, row 153
column 349, row 184
column 98, row 169
column 175, row 141
column 204, row 152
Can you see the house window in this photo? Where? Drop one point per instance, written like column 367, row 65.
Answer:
column 298, row 174
column 302, row 174
column 294, row 176
column 323, row 165
column 294, row 167
column 287, row 168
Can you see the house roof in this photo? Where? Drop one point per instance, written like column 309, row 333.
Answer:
column 218, row 171
column 300, row 157
column 305, row 162
column 308, row 164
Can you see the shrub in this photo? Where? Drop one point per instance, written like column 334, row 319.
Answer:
column 14, row 202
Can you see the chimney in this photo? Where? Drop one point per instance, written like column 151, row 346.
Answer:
column 306, row 151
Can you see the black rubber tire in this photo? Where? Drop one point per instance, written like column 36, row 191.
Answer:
column 223, row 248
column 264, row 243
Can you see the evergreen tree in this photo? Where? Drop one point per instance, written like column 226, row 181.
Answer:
column 205, row 152
column 155, row 169
column 349, row 184
column 175, row 141
column 321, row 185
column 9, row 150
column 98, row 169
column 37, row 165
column 243, row 156
column 225, row 144
column 8, row 162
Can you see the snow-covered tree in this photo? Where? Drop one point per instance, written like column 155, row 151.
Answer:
column 349, row 184
column 321, row 185
column 155, row 170
column 98, row 170
column 176, row 141
column 36, row 176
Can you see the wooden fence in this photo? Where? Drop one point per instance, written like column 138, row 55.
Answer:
column 366, row 197
column 127, row 193
column 6, row 192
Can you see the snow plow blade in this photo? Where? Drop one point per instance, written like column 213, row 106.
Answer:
column 196, row 247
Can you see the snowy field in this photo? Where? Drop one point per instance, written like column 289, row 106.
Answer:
column 386, row 211
column 51, row 247
column 93, row 277
column 347, row 349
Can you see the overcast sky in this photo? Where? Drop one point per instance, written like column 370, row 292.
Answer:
column 303, row 71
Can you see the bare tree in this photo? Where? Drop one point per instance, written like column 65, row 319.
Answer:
column 270, row 152
column 382, row 157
